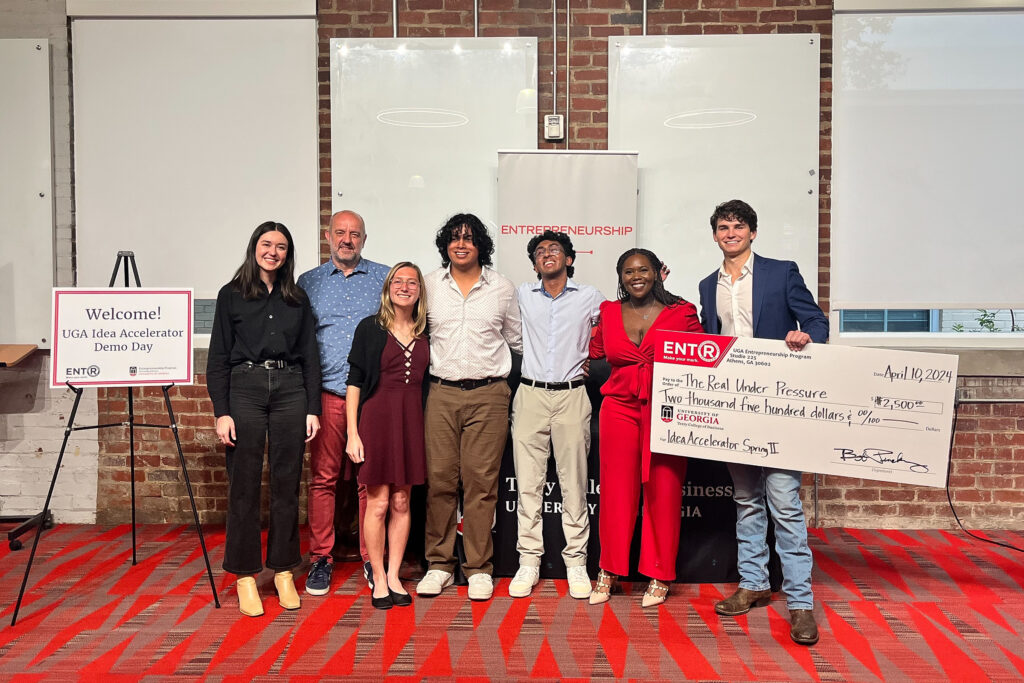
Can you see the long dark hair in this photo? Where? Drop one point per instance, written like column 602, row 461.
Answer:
column 247, row 277
column 660, row 294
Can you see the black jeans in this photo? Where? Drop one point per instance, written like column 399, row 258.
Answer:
column 265, row 403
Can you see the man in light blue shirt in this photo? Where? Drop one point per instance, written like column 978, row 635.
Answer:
column 342, row 291
column 552, row 409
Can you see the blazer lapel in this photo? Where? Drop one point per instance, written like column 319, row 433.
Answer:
column 760, row 279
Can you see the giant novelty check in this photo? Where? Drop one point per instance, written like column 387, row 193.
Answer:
column 853, row 412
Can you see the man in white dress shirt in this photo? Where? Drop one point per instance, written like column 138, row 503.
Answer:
column 474, row 324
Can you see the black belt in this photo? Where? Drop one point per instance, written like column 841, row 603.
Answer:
column 268, row 364
column 467, row 384
column 553, row 386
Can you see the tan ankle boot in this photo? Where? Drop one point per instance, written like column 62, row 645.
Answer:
column 287, row 597
column 249, row 602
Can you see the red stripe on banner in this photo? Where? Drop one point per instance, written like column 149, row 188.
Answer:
column 725, row 350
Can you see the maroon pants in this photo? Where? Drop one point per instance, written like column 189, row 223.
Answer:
column 621, row 446
column 327, row 461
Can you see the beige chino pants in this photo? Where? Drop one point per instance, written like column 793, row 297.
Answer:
column 542, row 419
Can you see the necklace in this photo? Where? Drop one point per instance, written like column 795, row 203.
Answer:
column 636, row 310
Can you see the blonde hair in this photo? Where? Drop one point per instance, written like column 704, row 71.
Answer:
column 386, row 313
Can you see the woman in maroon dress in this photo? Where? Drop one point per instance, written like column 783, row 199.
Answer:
column 623, row 337
column 387, row 368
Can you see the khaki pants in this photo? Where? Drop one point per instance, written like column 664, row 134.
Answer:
column 465, row 438
column 543, row 419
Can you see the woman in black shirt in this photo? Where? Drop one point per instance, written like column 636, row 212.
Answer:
column 263, row 375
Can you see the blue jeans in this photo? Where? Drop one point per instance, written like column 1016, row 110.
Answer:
column 751, row 486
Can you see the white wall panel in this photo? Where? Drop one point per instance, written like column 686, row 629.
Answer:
column 415, row 130
column 26, row 192
column 188, row 134
column 717, row 118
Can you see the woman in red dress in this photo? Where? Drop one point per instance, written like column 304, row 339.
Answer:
column 387, row 368
column 627, row 464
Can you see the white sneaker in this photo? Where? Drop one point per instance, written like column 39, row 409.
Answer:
column 523, row 582
column 435, row 581
column 481, row 587
column 579, row 582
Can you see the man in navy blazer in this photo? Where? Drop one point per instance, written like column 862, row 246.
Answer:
column 754, row 296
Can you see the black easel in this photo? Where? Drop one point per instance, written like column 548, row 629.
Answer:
column 127, row 257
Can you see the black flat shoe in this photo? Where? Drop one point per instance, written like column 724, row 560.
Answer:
column 399, row 599
column 382, row 603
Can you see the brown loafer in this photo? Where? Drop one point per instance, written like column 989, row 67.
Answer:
column 803, row 630
column 741, row 601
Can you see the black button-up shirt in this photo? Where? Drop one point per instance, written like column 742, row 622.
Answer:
column 265, row 328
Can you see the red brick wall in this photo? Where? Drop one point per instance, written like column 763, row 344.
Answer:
column 988, row 466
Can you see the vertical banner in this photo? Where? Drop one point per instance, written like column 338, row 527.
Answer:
column 590, row 196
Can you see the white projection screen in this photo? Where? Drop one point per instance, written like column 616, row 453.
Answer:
column 188, row 134
column 717, row 118
column 415, row 130
column 26, row 192
column 927, row 148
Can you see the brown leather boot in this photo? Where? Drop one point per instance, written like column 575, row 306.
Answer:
column 803, row 629
column 741, row 601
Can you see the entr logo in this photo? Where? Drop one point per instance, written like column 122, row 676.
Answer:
column 706, row 351
column 89, row 371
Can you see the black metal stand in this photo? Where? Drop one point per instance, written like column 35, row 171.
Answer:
column 127, row 257
column 24, row 522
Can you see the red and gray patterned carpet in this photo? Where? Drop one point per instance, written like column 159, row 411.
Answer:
column 892, row 606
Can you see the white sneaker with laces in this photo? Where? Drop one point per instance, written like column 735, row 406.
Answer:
column 435, row 581
column 481, row 587
column 579, row 582
column 523, row 582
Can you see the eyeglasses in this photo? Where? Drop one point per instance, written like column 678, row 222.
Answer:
column 549, row 251
column 411, row 283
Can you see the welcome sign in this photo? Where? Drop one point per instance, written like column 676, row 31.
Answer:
column 121, row 337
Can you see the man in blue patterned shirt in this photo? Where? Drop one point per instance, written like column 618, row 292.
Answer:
column 342, row 291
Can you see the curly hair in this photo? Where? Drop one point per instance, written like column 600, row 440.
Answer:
column 552, row 236
column 660, row 294
column 734, row 209
column 481, row 239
